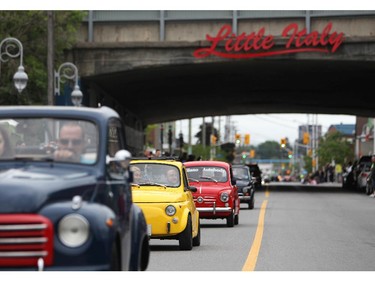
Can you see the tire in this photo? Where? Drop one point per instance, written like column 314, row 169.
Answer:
column 186, row 238
column 367, row 191
column 115, row 259
column 252, row 202
column 236, row 219
column 197, row 239
column 230, row 220
column 145, row 254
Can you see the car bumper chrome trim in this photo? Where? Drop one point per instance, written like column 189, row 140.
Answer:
column 217, row 210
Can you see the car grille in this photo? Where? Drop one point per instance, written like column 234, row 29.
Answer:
column 24, row 239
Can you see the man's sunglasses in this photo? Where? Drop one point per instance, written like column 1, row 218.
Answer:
column 73, row 141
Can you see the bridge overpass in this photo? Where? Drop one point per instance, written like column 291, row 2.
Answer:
column 146, row 64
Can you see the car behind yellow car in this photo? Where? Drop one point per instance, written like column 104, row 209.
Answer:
column 160, row 187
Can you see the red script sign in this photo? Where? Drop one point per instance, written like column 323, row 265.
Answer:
column 258, row 45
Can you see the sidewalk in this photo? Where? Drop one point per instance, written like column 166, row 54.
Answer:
column 324, row 184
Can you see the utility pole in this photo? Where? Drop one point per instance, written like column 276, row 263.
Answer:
column 50, row 58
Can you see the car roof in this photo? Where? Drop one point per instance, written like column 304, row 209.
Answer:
column 90, row 113
column 240, row 166
column 207, row 163
column 163, row 161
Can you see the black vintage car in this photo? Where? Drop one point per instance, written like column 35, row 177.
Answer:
column 65, row 213
column 245, row 183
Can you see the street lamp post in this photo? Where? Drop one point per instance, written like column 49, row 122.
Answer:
column 10, row 45
column 69, row 71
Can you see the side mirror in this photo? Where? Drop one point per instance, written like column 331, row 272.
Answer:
column 192, row 188
column 122, row 157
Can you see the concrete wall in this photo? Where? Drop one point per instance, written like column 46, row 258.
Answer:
column 193, row 30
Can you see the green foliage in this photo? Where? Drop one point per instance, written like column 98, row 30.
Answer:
column 199, row 150
column 30, row 28
column 268, row 150
column 334, row 147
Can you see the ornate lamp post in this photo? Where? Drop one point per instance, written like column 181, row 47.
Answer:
column 69, row 71
column 8, row 51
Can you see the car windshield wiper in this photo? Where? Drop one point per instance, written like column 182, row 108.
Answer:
column 34, row 158
column 152, row 184
column 208, row 178
column 194, row 180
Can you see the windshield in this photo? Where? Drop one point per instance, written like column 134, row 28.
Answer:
column 155, row 174
column 207, row 173
column 59, row 140
column 241, row 173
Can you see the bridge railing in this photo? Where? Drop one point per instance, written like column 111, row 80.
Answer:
column 225, row 15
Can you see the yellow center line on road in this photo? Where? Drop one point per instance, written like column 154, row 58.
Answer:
column 255, row 248
column 267, row 193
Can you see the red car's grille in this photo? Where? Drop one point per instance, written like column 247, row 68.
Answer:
column 24, row 239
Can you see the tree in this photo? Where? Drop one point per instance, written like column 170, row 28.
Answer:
column 334, row 147
column 30, row 27
column 268, row 150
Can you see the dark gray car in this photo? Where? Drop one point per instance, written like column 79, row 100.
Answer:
column 245, row 184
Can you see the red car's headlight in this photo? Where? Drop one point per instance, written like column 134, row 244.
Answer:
column 224, row 197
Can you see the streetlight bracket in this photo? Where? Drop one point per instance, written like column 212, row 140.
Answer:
column 68, row 71
column 8, row 46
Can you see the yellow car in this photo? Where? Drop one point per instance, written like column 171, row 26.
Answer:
column 161, row 189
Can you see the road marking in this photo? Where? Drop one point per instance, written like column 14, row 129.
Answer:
column 267, row 193
column 255, row 248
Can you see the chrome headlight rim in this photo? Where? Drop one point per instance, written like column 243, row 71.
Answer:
column 170, row 210
column 224, row 197
column 73, row 230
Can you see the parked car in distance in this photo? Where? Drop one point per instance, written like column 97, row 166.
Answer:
column 361, row 172
column 216, row 196
column 68, row 213
column 161, row 189
column 245, row 184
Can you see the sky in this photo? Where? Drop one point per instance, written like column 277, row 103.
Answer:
column 266, row 127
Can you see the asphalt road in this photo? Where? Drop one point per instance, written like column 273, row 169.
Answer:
column 292, row 228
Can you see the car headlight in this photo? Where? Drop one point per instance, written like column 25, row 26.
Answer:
column 73, row 230
column 170, row 210
column 224, row 197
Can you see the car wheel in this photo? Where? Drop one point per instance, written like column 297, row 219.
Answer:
column 252, row 202
column 367, row 191
column 186, row 237
column 230, row 220
column 145, row 254
column 115, row 258
column 197, row 239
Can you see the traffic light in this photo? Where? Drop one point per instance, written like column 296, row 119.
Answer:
column 290, row 154
column 247, row 139
column 238, row 138
column 306, row 138
column 252, row 153
column 283, row 142
column 213, row 139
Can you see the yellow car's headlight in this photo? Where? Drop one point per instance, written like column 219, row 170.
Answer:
column 170, row 210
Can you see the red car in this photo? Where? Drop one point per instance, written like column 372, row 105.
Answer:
column 217, row 194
